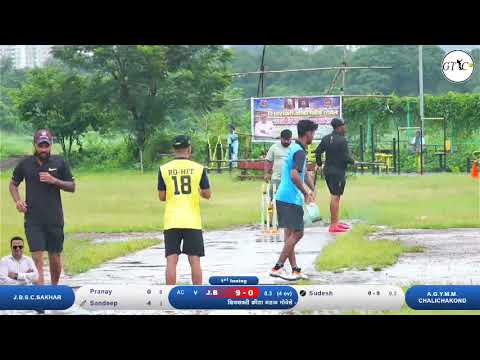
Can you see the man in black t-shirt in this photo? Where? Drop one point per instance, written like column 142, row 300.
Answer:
column 337, row 158
column 45, row 175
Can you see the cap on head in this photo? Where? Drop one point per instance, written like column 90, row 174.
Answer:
column 305, row 126
column 181, row 142
column 41, row 136
column 337, row 122
column 231, row 126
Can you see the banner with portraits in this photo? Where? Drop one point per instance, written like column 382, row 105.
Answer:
column 269, row 116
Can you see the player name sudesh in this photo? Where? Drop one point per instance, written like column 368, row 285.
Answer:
column 320, row 293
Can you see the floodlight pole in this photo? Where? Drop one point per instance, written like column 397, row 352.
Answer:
column 261, row 86
column 420, row 85
column 344, row 63
column 420, row 81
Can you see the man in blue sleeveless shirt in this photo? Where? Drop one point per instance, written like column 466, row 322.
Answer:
column 291, row 195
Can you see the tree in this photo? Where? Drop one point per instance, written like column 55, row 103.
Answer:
column 10, row 78
column 153, row 82
column 61, row 101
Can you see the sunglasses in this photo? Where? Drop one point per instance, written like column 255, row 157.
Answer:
column 15, row 247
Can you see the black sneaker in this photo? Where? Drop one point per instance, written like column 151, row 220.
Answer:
column 40, row 311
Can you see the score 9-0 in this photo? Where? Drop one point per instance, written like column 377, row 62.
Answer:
column 240, row 293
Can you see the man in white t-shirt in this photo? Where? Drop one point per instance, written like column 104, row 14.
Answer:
column 275, row 159
column 17, row 269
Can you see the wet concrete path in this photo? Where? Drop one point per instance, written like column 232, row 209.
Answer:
column 449, row 256
column 242, row 251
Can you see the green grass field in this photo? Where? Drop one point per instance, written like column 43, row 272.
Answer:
column 127, row 201
column 14, row 144
column 354, row 251
column 429, row 201
column 432, row 201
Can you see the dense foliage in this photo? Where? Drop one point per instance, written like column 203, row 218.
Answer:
column 105, row 103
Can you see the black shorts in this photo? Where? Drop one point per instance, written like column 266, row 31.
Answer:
column 290, row 216
column 45, row 237
column 336, row 184
column 192, row 242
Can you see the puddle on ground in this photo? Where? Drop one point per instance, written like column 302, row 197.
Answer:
column 450, row 256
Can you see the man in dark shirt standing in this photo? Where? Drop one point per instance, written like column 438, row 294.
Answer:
column 337, row 158
column 44, row 176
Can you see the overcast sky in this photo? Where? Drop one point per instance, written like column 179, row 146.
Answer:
column 353, row 47
column 459, row 47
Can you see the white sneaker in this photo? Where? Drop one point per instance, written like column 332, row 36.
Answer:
column 299, row 275
column 281, row 273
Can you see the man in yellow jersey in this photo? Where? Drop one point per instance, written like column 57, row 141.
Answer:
column 181, row 182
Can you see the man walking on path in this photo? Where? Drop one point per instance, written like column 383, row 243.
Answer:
column 45, row 175
column 291, row 195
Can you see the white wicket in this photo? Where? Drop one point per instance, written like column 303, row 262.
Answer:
column 267, row 204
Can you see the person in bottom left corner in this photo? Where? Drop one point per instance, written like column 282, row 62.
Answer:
column 17, row 269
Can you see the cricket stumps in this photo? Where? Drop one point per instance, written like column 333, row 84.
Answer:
column 268, row 217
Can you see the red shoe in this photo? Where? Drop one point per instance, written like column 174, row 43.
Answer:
column 336, row 229
column 344, row 226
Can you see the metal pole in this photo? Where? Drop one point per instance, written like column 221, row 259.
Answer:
column 421, row 151
column 373, row 148
column 420, row 81
column 394, row 154
column 409, row 120
column 261, row 72
column 398, row 151
column 263, row 81
column 218, row 148
column 444, row 144
column 344, row 63
column 369, row 129
column 362, row 147
column 422, row 113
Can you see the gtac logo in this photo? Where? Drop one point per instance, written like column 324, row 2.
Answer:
column 457, row 66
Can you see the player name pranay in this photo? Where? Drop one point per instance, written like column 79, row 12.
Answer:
column 100, row 291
